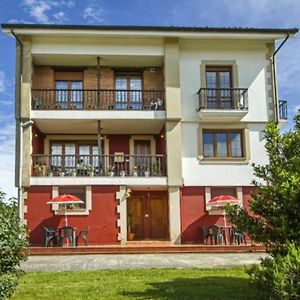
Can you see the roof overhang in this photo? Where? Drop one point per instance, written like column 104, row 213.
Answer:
column 149, row 31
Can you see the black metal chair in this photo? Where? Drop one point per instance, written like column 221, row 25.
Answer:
column 84, row 235
column 66, row 232
column 50, row 235
column 236, row 237
column 205, row 234
column 215, row 235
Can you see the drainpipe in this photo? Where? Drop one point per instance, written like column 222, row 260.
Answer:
column 19, row 133
column 274, row 79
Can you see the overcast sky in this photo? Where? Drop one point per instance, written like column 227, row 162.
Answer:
column 245, row 13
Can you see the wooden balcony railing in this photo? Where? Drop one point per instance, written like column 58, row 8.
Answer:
column 47, row 99
column 283, row 110
column 230, row 98
column 95, row 165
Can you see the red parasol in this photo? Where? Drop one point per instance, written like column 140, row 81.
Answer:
column 222, row 201
column 65, row 199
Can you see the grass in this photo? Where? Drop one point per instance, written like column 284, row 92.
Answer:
column 165, row 284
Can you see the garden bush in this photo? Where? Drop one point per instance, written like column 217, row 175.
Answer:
column 279, row 275
column 13, row 246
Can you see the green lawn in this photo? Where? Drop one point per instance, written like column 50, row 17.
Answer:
column 139, row 284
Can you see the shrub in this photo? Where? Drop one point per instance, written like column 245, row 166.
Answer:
column 13, row 246
column 279, row 275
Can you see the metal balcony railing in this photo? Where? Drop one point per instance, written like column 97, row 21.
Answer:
column 95, row 165
column 218, row 98
column 53, row 99
column 283, row 110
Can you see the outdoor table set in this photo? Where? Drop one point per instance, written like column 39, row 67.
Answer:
column 66, row 233
column 221, row 234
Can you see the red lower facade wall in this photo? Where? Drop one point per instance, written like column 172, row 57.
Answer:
column 194, row 214
column 102, row 219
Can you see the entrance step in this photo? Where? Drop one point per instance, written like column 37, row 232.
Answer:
column 144, row 249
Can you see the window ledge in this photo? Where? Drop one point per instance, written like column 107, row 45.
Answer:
column 241, row 161
column 75, row 212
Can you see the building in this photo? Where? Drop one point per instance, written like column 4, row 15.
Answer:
column 145, row 124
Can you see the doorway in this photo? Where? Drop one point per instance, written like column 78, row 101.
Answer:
column 148, row 217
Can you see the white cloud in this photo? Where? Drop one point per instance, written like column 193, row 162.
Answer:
column 2, row 82
column 93, row 13
column 60, row 16
column 7, row 155
column 43, row 11
column 6, row 102
column 234, row 13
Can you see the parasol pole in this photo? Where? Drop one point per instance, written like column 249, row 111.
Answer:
column 66, row 216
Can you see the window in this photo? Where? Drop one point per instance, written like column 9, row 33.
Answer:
column 69, row 86
column 129, row 90
column 69, row 157
column 219, row 87
column 78, row 191
column 223, row 144
column 217, row 191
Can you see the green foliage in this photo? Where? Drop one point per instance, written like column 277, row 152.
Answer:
column 274, row 217
column 13, row 246
column 280, row 275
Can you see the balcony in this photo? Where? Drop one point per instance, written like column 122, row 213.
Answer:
column 222, row 104
column 137, row 100
column 283, row 110
column 122, row 165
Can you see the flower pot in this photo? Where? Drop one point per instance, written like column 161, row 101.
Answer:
column 135, row 174
column 122, row 173
column 130, row 236
column 111, row 174
column 147, row 173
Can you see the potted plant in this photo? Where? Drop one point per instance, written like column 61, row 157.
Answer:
column 147, row 172
column 50, row 174
column 154, row 169
column 40, row 169
column 122, row 173
column 90, row 170
column 135, row 171
column 111, row 171
column 130, row 233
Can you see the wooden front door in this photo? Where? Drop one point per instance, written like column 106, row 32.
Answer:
column 149, row 217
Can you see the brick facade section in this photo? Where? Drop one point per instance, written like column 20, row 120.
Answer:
column 153, row 80
column 106, row 78
column 43, row 78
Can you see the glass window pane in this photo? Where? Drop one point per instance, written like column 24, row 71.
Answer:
column 135, row 94
column 208, row 143
column 84, row 152
column 222, row 145
column 224, row 79
column 121, row 94
column 211, row 80
column 61, row 94
column 76, row 94
column 56, row 152
column 70, row 156
column 236, row 144
column 76, row 191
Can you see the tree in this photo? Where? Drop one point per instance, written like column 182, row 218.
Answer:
column 274, row 216
column 13, row 246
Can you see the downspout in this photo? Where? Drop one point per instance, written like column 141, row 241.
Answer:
column 274, row 79
column 19, row 131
